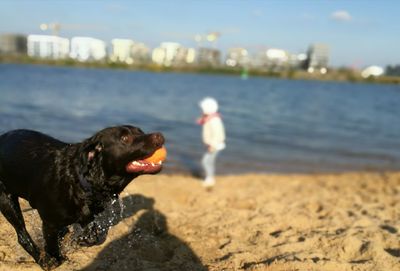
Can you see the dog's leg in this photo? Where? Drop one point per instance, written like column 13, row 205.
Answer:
column 52, row 235
column 11, row 210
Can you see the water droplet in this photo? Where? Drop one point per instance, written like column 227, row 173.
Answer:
column 122, row 208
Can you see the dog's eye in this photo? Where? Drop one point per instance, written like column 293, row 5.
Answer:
column 125, row 139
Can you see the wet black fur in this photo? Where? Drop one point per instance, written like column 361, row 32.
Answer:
column 66, row 183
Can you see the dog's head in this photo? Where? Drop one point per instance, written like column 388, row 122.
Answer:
column 120, row 152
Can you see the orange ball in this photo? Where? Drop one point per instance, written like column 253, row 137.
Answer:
column 158, row 156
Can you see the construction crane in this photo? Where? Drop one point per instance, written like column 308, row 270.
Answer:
column 55, row 27
column 211, row 37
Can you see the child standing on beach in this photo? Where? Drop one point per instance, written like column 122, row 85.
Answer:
column 213, row 137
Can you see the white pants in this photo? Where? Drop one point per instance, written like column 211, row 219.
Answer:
column 208, row 163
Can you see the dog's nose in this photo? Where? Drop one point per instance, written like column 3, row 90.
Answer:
column 157, row 139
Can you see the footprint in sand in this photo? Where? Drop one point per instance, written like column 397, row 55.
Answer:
column 395, row 252
column 389, row 228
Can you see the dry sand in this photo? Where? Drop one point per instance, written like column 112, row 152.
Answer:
column 254, row 222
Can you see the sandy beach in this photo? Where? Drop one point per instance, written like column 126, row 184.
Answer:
column 335, row 222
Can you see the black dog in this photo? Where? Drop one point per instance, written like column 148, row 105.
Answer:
column 68, row 183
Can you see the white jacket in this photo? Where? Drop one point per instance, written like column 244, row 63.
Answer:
column 214, row 133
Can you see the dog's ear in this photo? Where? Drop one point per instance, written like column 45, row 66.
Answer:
column 90, row 150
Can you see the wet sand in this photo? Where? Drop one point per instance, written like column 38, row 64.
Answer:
column 252, row 222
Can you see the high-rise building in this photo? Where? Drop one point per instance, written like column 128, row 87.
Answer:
column 121, row 50
column 173, row 54
column 166, row 54
column 317, row 58
column 45, row 46
column 128, row 51
column 13, row 44
column 209, row 57
column 191, row 55
column 88, row 49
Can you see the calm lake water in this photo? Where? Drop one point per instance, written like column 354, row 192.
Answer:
column 273, row 125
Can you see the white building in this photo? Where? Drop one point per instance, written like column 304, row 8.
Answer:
column 276, row 56
column 86, row 48
column 372, row 71
column 45, row 46
column 166, row 54
column 190, row 56
column 272, row 59
column 128, row 51
column 122, row 50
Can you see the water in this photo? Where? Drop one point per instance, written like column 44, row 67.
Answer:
column 272, row 125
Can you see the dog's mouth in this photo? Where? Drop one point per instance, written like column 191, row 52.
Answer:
column 148, row 165
column 141, row 166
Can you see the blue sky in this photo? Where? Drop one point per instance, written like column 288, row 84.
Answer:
column 359, row 32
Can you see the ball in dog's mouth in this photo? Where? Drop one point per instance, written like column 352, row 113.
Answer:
column 150, row 164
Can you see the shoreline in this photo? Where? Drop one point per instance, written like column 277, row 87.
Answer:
column 324, row 222
column 335, row 75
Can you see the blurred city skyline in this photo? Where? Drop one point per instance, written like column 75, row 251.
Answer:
column 359, row 33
